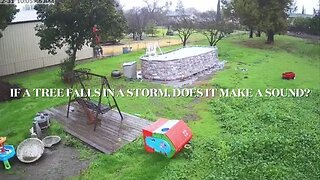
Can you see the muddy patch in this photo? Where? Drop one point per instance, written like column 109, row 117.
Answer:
column 191, row 117
column 58, row 162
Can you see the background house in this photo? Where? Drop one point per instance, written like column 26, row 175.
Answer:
column 19, row 49
column 294, row 16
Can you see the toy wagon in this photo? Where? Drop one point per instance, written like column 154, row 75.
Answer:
column 288, row 75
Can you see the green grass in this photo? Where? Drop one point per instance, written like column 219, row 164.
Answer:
column 234, row 138
column 265, row 63
column 268, row 138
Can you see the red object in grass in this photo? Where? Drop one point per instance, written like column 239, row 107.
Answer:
column 288, row 75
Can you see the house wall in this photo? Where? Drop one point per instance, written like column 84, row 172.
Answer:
column 19, row 50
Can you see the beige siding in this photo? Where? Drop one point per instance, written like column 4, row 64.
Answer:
column 19, row 50
column 116, row 50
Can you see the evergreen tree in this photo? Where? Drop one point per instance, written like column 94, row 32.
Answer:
column 269, row 16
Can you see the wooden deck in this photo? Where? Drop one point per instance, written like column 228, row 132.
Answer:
column 110, row 134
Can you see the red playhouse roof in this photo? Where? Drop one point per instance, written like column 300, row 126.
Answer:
column 179, row 134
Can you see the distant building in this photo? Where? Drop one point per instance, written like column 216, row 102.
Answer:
column 174, row 14
column 19, row 48
column 295, row 15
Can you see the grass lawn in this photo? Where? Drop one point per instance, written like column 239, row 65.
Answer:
column 234, row 138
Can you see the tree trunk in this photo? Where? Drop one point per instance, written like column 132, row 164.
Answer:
column 68, row 76
column 211, row 42
column 251, row 33
column 140, row 36
column 270, row 35
column 73, row 57
column 184, row 42
column 259, row 34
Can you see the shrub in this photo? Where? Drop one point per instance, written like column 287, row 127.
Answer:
column 5, row 91
column 306, row 25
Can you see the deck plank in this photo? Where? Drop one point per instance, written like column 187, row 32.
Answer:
column 111, row 133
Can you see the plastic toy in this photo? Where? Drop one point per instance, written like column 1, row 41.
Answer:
column 167, row 137
column 6, row 152
column 288, row 75
column 50, row 141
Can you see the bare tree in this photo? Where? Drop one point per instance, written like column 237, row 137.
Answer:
column 185, row 26
column 207, row 25
column 146, row 18
column 212, row 27
column 180, row 6
column 156, row 11
column 215, row 25
column 183, row 23
column 137, row 19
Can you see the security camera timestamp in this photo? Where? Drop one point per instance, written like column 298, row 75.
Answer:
column 27, row 2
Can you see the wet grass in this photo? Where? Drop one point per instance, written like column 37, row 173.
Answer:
column 234, row 138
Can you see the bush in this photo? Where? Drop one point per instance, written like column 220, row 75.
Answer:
column 314, row 25
column 306, row 25
column 5, row 91
column 152, row 29
column 301, row 24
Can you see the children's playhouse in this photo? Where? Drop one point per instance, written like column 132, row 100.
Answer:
column 167, row 137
